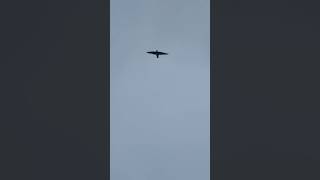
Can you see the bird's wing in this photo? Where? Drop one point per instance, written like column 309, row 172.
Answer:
column 151, row 52
column 162, row 53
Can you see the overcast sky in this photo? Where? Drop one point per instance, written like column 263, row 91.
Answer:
column 160, row 108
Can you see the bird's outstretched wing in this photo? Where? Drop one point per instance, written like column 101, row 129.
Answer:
column 162, row 53
column 151, row 52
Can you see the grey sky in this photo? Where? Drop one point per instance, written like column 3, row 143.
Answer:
column 160, row 108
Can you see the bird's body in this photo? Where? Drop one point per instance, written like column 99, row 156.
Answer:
column 157, row 53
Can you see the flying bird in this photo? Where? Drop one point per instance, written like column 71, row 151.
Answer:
column 157, row 53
